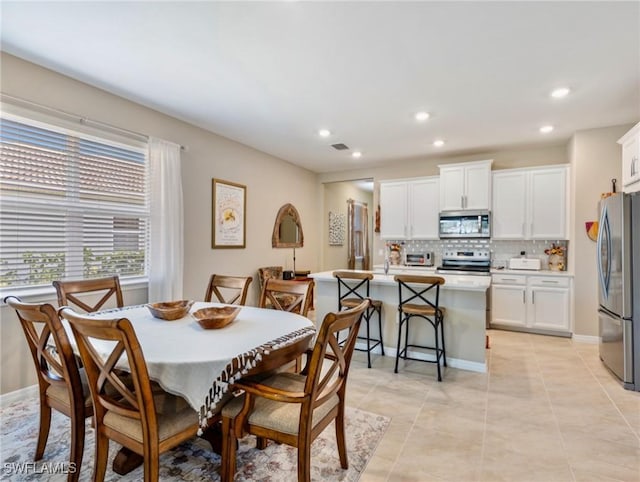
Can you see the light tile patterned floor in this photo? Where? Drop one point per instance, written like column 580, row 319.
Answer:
column 547, row 410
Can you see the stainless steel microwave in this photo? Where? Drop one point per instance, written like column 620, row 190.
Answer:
column 465, row 224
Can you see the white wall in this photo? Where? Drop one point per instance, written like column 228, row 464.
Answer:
column 271, row 182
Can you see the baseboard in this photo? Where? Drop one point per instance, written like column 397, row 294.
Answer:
column 451, row 362
column 592, row 340
column 18, row 395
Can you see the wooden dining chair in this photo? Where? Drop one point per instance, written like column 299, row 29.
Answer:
column 68, row 290
column 287, row 295
column 294, row 408
column 61, row 383
column 231, row 290
column 126, row 408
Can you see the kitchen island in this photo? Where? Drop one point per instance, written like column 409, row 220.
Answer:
column 465, row 300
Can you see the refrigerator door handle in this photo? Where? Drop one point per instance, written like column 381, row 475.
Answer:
column 603, row 287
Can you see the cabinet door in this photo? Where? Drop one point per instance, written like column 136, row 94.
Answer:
column 549, row 308
column 631, row 164
column 451, row 188
column 393, row 210
column 509, row 205
column 477, row 187
column 548, row 203
column 424, row 206
column 508, row 305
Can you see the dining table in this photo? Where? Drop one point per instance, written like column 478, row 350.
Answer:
column 201, row 364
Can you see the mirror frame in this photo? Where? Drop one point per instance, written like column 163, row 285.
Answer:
column 287, row 210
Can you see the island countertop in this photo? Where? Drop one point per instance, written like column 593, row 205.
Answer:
column 463, row 296
column 451, row 282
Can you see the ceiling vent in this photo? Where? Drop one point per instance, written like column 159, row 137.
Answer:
column 340, row 147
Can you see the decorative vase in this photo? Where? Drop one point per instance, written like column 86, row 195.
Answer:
column 556, row 262
column 394, row 257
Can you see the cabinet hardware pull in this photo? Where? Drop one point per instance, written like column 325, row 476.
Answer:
column 533, row 297
column 509, row 279
column 524, row 300
column 550, row 282
column 462, row 201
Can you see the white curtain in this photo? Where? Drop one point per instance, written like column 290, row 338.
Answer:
column 167, row 234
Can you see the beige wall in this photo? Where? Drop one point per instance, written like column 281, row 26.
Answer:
column 336, row 195
column 270, row 182
column 595, row 158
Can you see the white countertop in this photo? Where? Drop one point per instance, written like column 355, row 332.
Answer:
column 400, row 269
column 531, row 272
column 452, row 282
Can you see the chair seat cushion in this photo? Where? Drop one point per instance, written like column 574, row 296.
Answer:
column 60, row 392
column 424, row 310
column 279, row 416
column 170, row 422
column 353, row 302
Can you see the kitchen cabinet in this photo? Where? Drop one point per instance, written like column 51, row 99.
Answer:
column 409, row 209
column 530, row 203
column 631, row 159
column 531, row 302
column 465, row 186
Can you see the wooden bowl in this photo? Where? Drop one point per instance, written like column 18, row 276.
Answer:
column 170, row 310
column 216, row 317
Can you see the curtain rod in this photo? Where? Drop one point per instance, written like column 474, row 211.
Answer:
column 77, row 118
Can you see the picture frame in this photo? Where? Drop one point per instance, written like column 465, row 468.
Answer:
column 228, row 218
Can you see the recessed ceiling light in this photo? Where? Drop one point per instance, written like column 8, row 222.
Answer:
column 356, row 154
column 560, row 92
column 546, row 129
column 422, row 116
column 324, row 133
column 438, row 143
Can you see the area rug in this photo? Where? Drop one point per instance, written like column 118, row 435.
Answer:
column 192, row 461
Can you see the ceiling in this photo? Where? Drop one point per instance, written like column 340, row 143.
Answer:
column 270, row 74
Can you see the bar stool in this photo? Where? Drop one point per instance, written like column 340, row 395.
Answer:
column 413, row 302
column 353, row 287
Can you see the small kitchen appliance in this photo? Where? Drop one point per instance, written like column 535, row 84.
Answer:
column 477, row 262
column 524, row 263
column 419, row 259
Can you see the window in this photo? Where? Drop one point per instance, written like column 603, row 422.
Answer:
column 71, row 205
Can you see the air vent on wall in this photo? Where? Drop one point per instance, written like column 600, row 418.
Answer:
column 340, row 147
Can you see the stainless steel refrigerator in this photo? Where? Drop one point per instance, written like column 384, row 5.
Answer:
column 618, row 262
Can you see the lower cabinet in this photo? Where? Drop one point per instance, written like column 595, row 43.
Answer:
column 531, row 302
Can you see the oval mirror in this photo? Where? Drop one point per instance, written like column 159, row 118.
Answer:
column 287, row 231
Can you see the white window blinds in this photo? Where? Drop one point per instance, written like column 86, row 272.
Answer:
column 71, row 206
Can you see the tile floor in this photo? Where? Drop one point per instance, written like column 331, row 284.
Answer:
column 547, row 410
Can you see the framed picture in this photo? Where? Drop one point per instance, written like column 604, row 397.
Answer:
column 228, row 224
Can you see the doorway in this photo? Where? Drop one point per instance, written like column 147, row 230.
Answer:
column 336, row 248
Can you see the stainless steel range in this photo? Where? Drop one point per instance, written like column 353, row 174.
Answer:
column 460, row 261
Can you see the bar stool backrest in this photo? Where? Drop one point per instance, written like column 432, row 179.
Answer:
column 353, row 284
column 408, row 292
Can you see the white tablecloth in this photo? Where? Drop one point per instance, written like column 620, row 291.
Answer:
column 195, row 363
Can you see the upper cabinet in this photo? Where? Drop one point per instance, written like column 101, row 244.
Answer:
column 465, row 186
column 531, row 203
column 409, row 209
column 631, row 159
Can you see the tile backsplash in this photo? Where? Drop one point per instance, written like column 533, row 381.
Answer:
column 501, row 251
